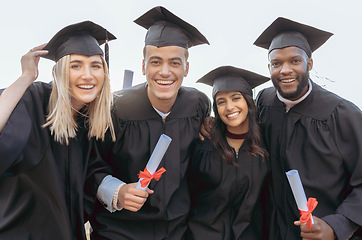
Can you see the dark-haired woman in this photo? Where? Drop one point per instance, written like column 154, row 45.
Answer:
column 227, row 173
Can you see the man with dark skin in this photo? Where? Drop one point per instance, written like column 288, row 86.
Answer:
column 310, row 129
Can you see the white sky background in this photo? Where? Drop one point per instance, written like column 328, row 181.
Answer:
column 231, row 26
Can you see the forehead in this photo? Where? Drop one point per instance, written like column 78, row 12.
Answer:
column 287, row 52
column 221, row 94
column 165, row 52
column 82, row 57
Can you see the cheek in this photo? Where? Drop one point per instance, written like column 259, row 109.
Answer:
column 246, row 112
column 220, row 110
column 273, row 72
column 72, row 76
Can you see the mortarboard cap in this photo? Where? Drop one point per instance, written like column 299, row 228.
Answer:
column 228, row 78
column 166, row 29
column 285, row 33
column 80, row 38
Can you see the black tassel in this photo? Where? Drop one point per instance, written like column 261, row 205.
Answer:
column 106, row 50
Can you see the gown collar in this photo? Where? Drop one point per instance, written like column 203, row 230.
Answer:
column 289, row 103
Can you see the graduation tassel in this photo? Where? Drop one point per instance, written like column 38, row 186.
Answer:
column 106, row 51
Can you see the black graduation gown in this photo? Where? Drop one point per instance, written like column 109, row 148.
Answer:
column 42, row 181
column 225, row 199
column 321, row 137
column 138, row 127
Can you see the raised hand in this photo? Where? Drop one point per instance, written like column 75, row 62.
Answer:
column 30, row 61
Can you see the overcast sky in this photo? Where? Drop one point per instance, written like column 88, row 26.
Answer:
column 230, row 26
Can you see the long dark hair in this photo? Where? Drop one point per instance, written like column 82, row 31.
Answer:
column 253, row 140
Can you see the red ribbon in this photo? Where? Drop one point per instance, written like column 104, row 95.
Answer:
column 306, row 216
column 147, row 176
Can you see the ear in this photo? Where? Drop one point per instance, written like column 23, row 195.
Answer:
column 310, row 64
column 143, row 67
column 186, row 69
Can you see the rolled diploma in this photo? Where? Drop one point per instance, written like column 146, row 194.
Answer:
column 156, row 156
column 298, row 190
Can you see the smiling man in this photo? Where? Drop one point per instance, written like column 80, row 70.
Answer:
column 310, row 129
column 141, row 114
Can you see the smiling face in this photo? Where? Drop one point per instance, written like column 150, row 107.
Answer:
column 233, row 111
column 86, row 78
column 289, row 70
column 165, row 68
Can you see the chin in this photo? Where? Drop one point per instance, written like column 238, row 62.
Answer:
column 165, row 97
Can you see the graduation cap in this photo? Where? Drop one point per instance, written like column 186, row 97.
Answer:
column 80, row 38
column 166, row 29
column 285, row 33
column 229, row 78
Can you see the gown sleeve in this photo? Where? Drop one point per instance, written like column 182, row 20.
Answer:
column 346, row 128
column 14, row 137
column 97, row 170
column 24, row 125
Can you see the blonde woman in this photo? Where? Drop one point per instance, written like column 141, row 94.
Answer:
column 48, row 157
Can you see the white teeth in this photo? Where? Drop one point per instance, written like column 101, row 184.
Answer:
column 288, row 80
column 164, row 82
column 86, row 86
column 232, row 115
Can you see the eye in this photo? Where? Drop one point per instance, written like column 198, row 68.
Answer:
column 296, row 61
column 155, row 62
column 220, row 103
column 175, row 64
column 74, row 66
column 235, row 99
column 275, row 64
column 97, row 66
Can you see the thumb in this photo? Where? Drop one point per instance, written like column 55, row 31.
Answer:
column 297, row 223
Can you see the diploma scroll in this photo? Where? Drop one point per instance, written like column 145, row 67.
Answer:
column 299, row 194
column 155, row 159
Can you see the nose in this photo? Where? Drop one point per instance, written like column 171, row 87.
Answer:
column 229, row 105
column 87, row 73
column 165, row 71
column 286, row 69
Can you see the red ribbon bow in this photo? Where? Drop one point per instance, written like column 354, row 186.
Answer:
column 306, row 216
column 147, row 176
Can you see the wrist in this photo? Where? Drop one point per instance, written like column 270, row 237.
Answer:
column 115, row 201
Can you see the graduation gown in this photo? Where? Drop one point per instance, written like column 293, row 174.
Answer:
column 321, row 137
column 138, row 127
column 225, row 199
column 42, row 181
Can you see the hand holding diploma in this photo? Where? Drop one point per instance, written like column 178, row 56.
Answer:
column 305, row 208
column 320, row 230
column 149, row 172
column 131, row 198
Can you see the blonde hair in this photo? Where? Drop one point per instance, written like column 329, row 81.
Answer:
column 61, row 115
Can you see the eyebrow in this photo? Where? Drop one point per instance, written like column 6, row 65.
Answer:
column 232, row 95
column 237, row 93
column 175, row 58
column 170, row 59
column 80, row 61
column 276, row 59
column 154, row 57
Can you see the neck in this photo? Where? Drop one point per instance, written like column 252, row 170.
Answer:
column 236, row 136
column 162, row 105
column 235, row 143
